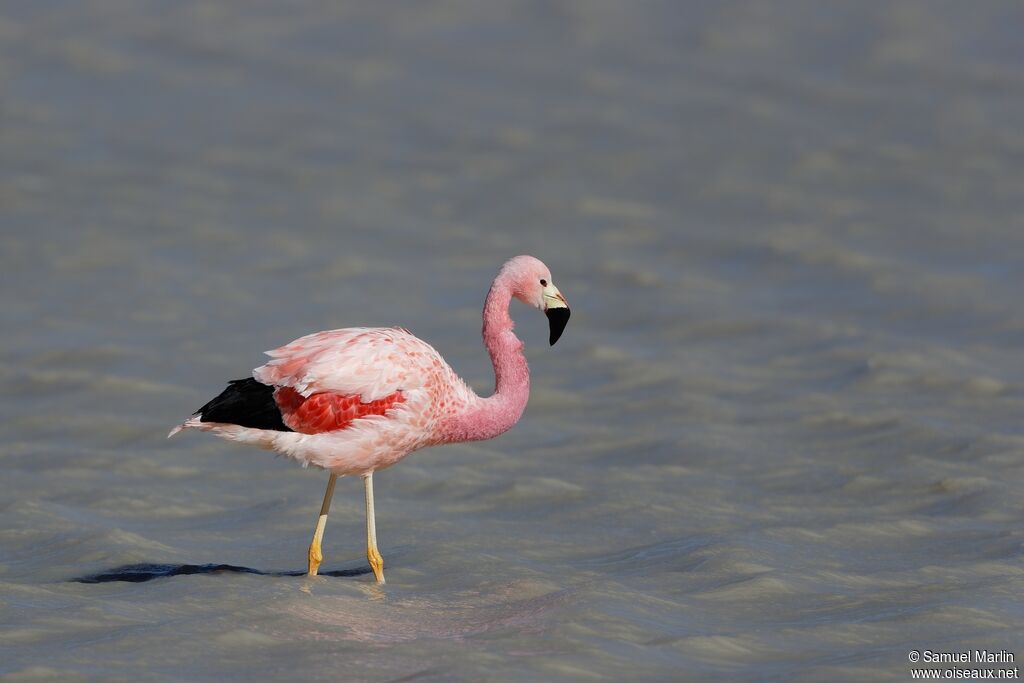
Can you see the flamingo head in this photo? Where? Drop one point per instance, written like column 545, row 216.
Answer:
column 531, row 284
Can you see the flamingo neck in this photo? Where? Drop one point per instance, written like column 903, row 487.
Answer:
column 488, row 417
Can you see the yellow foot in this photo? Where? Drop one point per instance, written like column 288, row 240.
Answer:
column 376, row 563
column 315, row 558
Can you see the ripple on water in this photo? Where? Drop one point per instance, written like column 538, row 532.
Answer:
column 676, row 554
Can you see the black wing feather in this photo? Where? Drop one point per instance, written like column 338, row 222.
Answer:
column 246, row 403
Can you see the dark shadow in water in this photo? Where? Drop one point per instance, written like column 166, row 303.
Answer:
column 137, row 573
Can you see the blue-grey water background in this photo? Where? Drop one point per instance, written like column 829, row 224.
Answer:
column 782, row 436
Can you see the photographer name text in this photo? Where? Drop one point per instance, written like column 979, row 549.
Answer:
column 965, row 657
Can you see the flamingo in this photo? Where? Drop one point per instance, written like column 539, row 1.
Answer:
column 357, row 400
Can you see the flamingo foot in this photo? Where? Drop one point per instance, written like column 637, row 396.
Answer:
column 316, row 556
column 376, row 563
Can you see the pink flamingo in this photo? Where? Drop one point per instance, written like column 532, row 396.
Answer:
column 358, row 400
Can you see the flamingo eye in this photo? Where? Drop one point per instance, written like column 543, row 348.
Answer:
column 543, row 282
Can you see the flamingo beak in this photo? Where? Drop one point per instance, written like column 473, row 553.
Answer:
column 556, row 308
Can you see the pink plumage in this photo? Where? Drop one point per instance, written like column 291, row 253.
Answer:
column 357, row 400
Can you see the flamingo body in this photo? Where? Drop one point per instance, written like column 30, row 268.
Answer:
column 354, row 400
column 360, row 399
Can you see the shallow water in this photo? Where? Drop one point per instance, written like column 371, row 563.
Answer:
column 781, row 438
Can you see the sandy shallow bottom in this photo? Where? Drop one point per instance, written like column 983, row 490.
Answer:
column 781, row 438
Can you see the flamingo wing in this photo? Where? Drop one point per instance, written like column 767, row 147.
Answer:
column 328, row 411
column 326, row 380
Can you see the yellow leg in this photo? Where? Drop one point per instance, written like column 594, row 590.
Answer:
column 372, row 554
column 315, row 555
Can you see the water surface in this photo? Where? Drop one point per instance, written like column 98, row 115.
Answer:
column 781, row 438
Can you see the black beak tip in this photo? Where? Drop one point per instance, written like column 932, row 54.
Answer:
column 557, row 320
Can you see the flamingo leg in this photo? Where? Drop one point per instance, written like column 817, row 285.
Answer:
column 315, row 555
column 372, row 554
